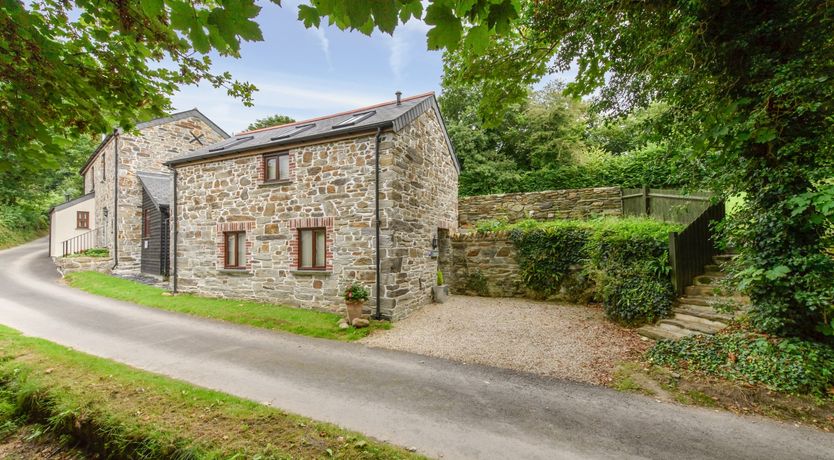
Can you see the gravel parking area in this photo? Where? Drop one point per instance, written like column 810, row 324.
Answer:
column 574, row 342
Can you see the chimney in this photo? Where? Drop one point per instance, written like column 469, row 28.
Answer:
column 399, row 96
column 66, row 197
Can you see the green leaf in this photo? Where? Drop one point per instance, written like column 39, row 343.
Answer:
column 309, row 16
column 447, row 29
column 152, row 7
column 477, row 39
column 411, row 9
column 777, row 272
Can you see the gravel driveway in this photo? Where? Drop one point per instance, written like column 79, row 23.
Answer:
column 556, row 340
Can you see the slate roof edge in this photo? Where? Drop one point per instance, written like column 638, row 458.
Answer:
column 73, row 202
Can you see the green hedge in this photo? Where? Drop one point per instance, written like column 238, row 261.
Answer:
column 624, row 263
column 790, row 365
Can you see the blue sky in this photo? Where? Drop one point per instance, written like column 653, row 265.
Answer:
column 305, row 73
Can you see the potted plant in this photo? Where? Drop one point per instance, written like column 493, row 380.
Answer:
column 355, row 297
column 441, row 291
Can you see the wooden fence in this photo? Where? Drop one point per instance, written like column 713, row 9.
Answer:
column 668, row 205
column 693, row 247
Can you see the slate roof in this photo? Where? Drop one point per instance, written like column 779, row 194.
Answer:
column 71, row 203
column 385, row 115
column 158, row 186
column 155, row 122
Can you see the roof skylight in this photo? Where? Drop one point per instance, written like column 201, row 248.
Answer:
column 293, row 131
column 354, row 119
column 237, row 141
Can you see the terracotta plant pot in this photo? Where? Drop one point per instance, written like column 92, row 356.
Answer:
column 354, row 310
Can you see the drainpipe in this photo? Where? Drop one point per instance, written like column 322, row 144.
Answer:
column 174, row 237
column 115, row 197
column 376, row 225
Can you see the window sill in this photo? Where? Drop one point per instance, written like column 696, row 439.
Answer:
column 275, row 183
column 234, row 271
column 311, row 272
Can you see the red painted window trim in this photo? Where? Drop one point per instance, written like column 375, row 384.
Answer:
column 237, row 263
column 315, row 249
column 146, row 224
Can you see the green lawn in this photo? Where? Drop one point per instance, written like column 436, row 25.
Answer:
column 121, row 412
column 257, row 314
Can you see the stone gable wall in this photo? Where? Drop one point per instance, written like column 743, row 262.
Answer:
column 547, row 205
column 147, row 152
column 420, row 197
column 331, row 185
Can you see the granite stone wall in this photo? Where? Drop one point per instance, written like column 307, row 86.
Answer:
column 547, row 205
column 83, row 264
column 146, row 151
column 483, row 265
column 331, row 186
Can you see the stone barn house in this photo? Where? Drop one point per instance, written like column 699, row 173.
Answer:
column 128, row 216
column 295, row 213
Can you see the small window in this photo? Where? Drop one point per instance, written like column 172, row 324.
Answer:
column 235, row 256
column 146, row 224
column 103, row 167
column 82, row 219
column 354, row 119
column 313, row 248
column 276, row 167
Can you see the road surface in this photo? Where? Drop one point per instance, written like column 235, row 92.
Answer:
column 441, row 408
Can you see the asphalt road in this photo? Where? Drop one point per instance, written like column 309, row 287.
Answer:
column 441, row 408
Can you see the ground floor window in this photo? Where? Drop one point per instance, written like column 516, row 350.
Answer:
column 235, row 253
column 313, row 248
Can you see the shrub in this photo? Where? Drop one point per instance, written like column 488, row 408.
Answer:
column 439, row 278
column 92, row 252
column 626, row 261
column 783, row 364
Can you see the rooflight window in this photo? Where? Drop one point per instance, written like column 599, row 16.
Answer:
column 237, row 141
column 354, row 119
column 293, row 131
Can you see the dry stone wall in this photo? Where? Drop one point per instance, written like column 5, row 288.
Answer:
column 83, row 264
column 481, row 265
column 547, row 205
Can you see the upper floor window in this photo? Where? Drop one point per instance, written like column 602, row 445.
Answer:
column 92, row 178
column 82, row 219
column 276, row 167
column 313, row 249
column 235, row 250
column 103, row 167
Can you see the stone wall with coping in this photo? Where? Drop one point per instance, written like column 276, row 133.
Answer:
column 547, row 205
column 83, row 264
column 331, row 186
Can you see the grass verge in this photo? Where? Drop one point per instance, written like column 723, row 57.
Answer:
column 114, row 411
column 10, row 237
column 696, row 389
column 264, row 315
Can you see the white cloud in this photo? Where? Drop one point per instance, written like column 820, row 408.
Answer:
column 400, row 45
column 324, row 43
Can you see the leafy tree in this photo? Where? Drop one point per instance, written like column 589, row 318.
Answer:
column 270, row 121
column 748, row 84
column 75, row 67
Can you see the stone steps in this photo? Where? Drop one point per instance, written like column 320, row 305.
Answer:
column 695, row 312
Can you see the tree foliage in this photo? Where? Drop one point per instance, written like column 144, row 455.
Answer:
column 270, row 121
column 70, row 68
